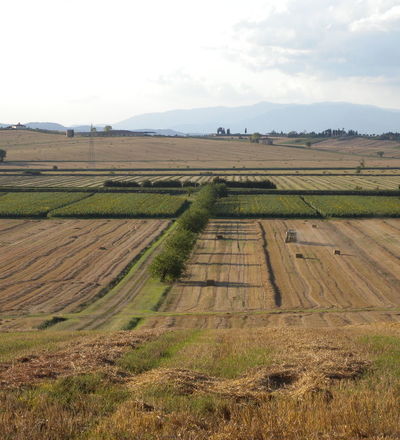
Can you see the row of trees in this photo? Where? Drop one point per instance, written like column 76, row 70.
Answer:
column 266, row 184
column 170, row 264
column 149, row 184
column 3, row 154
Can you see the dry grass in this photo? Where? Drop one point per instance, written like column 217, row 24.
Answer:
column 325, row 384
column 165, row 152
column 91, row 354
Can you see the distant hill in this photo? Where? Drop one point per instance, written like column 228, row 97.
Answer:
column 46, row 126
column 265, row 117
column 85, row 128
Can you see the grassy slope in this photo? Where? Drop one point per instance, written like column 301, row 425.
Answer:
column 223, row 384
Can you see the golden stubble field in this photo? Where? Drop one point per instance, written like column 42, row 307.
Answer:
column 258, row 281
column 362, row 146
column 144, row 152
column 51, row 266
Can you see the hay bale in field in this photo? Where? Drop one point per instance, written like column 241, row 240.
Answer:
column 219, row 237
column 291, row 236
column 337, row 252
column 299, row 256
column 314, row 226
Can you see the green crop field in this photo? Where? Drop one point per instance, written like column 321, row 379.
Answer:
column 123, row 206
column 31, row 204
column 355, row 206
column 264, row 206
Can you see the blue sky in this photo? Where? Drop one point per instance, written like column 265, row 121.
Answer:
column 101, row 61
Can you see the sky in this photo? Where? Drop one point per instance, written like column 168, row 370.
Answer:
column 100, row 61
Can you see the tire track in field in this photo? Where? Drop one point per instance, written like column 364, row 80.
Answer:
column 130, row 290
column 66, row 288
column 277, row 295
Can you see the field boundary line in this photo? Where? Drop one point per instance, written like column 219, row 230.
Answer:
column 67, row 204
column 312, row 207
column 266, row 312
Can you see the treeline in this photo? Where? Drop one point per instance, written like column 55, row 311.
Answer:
column 390, row 136
column 266, row 184
column 149, row 184
column 326, row 133
column 170, row 264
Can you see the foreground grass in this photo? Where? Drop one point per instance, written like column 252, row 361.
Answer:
column 13, row 345
column 142, row 403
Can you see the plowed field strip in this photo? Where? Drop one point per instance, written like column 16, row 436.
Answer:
column 44, row 270
column 359, row 285
column 235, row 267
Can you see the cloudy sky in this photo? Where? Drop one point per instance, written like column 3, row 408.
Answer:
column 102, row 61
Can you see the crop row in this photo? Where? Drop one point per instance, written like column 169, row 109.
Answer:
column 322, row 182
column 35, row 204
column 355, row 206
column 137, row 205
column 75, row 204
column 264, row 206
column 123, row 206
column 308, row 206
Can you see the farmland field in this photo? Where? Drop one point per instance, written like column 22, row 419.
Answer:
column 264, row 205
column 386, row 180
column 35, row 204
column 361, row 146
column 38, row 149
column 254, row 287
column 51, row 266
column 355, row 206
column 124, row 206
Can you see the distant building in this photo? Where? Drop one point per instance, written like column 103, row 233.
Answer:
column 18, row 126
column 266, row 140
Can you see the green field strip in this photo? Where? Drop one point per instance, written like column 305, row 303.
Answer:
column 36, row 204
column 117, row 205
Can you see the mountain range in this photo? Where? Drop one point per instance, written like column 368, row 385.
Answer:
column 262, row 117
column 265, row 117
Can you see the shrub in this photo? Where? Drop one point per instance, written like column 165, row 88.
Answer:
column 193, row 220
column 168, row 183
column 119, row 184
column 168, row 265
column 182, row 241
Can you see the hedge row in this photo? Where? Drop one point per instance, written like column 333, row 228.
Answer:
column 170, row 264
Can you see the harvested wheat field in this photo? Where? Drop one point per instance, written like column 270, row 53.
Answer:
column 240, row 384
column 361, row 146
column 46, row 150
column 258, row 281
column 50, row 266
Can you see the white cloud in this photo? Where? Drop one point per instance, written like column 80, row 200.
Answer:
column 72, row 61
column 385, row 21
